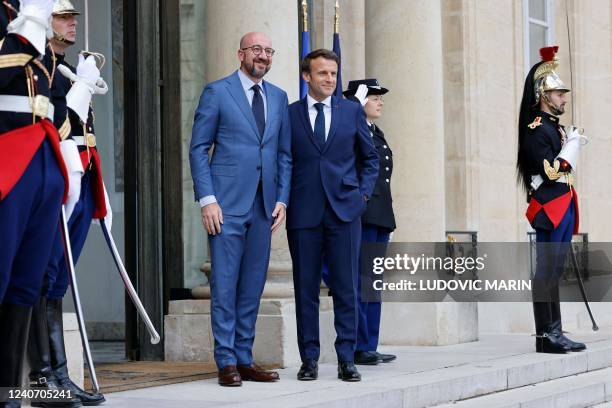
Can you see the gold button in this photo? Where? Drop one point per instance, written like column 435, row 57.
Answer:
column 387, row 180
column 387, row 157
column 36, row 77
column 386, row 168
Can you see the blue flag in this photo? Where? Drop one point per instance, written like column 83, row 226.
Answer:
column 336, row 49
column 305, row 51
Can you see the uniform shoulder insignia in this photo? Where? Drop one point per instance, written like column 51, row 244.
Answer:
column 536, row 122
column 1, row 42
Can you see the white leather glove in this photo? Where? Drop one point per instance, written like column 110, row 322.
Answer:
column 85, row 83
column 108, row 220
column 362, row 94
column 33, row 22
column 571, row 148
column 70, row 154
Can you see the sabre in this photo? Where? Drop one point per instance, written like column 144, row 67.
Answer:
column 77, row 302
column 86, row 15
column 581, row 286
column 128, row 284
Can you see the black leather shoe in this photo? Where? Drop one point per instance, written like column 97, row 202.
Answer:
column 14, row 328
column 308, row 371
column 550, row 343
column 348, row 372
column 385, row 358
column 366, row 358
column 58, row 355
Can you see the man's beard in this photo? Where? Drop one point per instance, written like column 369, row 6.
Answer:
column 256, row 73
column 556, row 110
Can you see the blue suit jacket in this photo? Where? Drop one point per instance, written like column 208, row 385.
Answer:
column 224, row 118
column 330, row 172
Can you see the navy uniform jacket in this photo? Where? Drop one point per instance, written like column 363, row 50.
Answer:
column 550, row 201
column 379, row 211
column 22, row 134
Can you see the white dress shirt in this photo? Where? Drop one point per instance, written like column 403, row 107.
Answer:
column 312, row 112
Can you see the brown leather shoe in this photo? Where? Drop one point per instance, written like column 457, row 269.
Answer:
column 230, row 377
column 255, row 373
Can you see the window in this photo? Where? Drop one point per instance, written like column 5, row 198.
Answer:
column 538, row 17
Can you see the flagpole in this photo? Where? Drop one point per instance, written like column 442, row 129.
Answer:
column 336, row 49
column 337, row 19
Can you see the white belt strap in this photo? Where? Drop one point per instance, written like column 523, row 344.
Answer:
column 83, row 141
column 21, row 104
column 537, row 180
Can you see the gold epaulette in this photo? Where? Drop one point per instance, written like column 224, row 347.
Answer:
column 536, row 122
column 64, row 130
column 14, row 60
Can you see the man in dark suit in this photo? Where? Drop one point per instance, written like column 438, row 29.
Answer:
column 330, row 140
column 243, row 192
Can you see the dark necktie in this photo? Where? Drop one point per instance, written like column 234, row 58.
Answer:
column 319, row 127
column 258, row 110
column 373, row 128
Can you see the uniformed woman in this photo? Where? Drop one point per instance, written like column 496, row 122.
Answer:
column 378, row 220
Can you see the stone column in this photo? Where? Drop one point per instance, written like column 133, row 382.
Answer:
column 403, row 48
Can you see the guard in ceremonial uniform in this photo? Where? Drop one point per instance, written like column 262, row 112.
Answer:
column 33, row 177
column 547, row 156
column 71, row 92
column 378, row 221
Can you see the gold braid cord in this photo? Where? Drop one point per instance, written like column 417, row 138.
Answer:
column 553, row 173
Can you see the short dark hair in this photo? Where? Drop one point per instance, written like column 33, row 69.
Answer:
column 321, row 52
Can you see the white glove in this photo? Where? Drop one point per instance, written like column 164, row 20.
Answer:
column 108, row 220
column 86, row 82
column 362, row 94
column 571, row 148
column 70, row 154
column 33, row 22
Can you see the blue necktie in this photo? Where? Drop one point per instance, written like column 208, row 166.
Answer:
column 258, row 110
column 319, row 127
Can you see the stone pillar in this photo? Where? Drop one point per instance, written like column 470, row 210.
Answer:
column 403, row 48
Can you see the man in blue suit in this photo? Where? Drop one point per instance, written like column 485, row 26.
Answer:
column 243, row 191
column 335, row 166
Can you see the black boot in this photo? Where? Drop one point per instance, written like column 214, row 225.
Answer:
column 546, row 340
column 558, row 329
column 41, row 374
column 59, row 362
column 14, row 325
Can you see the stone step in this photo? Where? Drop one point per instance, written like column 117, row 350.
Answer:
column 582, row 390
column 420, row 377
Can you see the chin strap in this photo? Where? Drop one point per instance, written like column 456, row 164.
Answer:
column 555, row 110
column 60, row 38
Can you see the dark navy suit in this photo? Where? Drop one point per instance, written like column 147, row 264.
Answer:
column 327, row 198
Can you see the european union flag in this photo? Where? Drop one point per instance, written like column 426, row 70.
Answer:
column 336, row 49
column 305, row 51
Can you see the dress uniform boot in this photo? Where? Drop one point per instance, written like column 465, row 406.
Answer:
column 558, row 329
column 41, row 374
column 14, row 326
column 59, row 362
column 546, row 340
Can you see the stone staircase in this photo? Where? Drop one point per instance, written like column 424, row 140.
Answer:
column 496, row 371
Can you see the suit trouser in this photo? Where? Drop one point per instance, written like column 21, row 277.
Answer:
column 340, row 242
column 239, row 257
column 29, row 216
column 369, row 311
column 551, row 250
column 56, row 279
